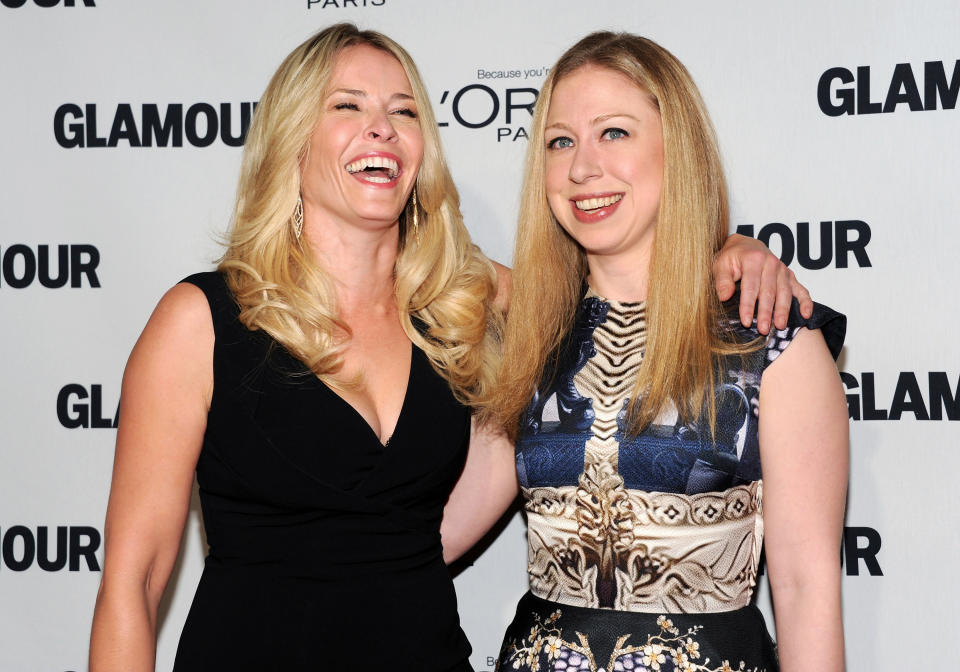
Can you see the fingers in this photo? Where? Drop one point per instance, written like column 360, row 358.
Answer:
column 802, row 295
column 725, row 276
column 726, row 266
column 765, row 284
column 781, row 309
column 752, row 265
column 768, row 292
column 724, row 284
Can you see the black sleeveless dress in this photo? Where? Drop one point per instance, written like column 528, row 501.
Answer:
column 324, row 544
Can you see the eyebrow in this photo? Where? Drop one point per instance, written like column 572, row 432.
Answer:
column 605, row 117
column 360, row 93
column 596, row 120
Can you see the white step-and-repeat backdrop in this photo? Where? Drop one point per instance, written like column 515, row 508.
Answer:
column 121, row 128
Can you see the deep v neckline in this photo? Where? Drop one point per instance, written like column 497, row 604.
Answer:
column 403, row 405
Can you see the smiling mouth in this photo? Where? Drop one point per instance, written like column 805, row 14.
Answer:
column 591, row 204
column 378, row 169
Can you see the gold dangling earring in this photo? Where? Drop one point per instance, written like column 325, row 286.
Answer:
column 416, row 223
column 298, row 218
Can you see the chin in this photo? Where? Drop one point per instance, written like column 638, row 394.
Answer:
column 380, row 217
column 594, row 242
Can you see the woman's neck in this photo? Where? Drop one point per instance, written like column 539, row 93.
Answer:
column 360, row 262
column 619, row 277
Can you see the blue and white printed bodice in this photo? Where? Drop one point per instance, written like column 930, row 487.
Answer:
column 670, row 520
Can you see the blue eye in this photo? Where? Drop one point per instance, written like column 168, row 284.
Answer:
column 615, row 134
column 561, row 142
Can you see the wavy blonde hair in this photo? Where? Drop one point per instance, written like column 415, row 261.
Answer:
column 684, row 333
column 444, row 285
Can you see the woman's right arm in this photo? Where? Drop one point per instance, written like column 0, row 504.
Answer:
column 167, row 387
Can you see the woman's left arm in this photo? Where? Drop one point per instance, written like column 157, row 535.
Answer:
column 488, row 484
column 804, row 452
column 486, row 488
column 765, row 283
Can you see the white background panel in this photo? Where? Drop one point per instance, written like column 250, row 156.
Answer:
column 156, row 214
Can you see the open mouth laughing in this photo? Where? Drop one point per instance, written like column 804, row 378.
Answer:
column 375, row 169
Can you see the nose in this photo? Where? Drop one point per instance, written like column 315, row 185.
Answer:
column 585, row 164
column 380, row 128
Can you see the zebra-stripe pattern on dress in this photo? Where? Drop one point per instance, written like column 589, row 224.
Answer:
column 609, row 376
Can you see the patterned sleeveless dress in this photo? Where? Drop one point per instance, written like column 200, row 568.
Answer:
column 643, row 551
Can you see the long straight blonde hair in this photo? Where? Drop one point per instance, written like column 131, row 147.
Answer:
column 444, row 285
column 684, row 332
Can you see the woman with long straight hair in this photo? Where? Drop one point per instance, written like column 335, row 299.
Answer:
column 639, row 455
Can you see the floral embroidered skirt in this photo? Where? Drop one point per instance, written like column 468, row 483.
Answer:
column 546, row 636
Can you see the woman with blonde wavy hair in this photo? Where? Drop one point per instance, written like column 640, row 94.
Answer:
column 639, row 456
column 320, row 384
